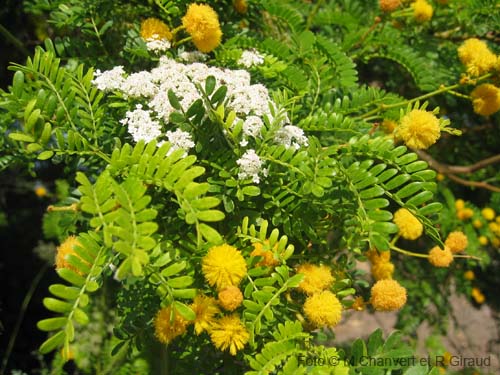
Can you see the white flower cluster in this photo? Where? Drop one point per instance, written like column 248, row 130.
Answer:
column 291, row 136
column 251, row 128
column 250, row 102
column 250, row 166
column 179, row 139
column 110, row 79
column 140, row 124
column 250, row 58
column 192, row 56
column 157, row 45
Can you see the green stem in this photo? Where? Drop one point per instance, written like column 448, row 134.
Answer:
column 406, row 252
column 187, row 39
column 443, row 89
column 24, row 307
column 98, row 35
column 15, row 41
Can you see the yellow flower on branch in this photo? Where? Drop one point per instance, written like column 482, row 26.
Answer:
column 240, row 6
column 202, row 23
column 476, row 56
column 229, row 333
column 223, row 266
column 488, row 213
column 153, row 28
column 422, row 10
column 230, row 298
column 387, row 295
column 382, row 270
column 440, row 257
column 419, row 129
column 478, row 295
column 323, row 309
column 456, row 241
column 469, row 275
column 389, row 5
column 486, row 99
column 169, row 324
column 205, row 309
column 410, row 227
column 316, row 278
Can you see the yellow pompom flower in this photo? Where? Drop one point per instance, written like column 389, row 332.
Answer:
column 496, row 242
column 388, row 126
column 240, row 6
column 375, row 257
column 229, row 333
column 389, row 5
column 230, row 298
column 465, row 213
column 456, row 241
column 478, row 296
column 422, row 10
column 495, row 228
column 486, row 99
column 469, row 275
column 40, row 191
column 459, row 204
column 477, row 223
column 387, row 295
column 267, row 255
column 223, row 266
column 65, row 249
column 316, row 278
column 205, row 309
column 202, row 23
column 419, row 129
column 410, row 227
column 168, row 327
column 153, row 28
column 323, row 309
column 382, row 270
column 488, row 213
column 440, row 257
column 476, row 56
column 483, row 240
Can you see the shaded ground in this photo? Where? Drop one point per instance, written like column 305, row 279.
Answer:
column 472, row 332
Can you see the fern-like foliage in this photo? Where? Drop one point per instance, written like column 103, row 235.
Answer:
column 266, row 290
column 387, row 174
column 415, row 64
column 175, row 174
column 59, row 109
column 70, row 301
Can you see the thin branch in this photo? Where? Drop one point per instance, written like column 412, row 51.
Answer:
column 13, row 40
column 450, row 170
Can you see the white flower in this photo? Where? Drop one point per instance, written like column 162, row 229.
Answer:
column 291, row 136
column 179, row 140
column 250, row 58
column 252, row 99
column 192, row 56
column 157, row 45
column 250, row 166
column 251, row 128
column 140, row 125
column 109, row 79
column 139, row 84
